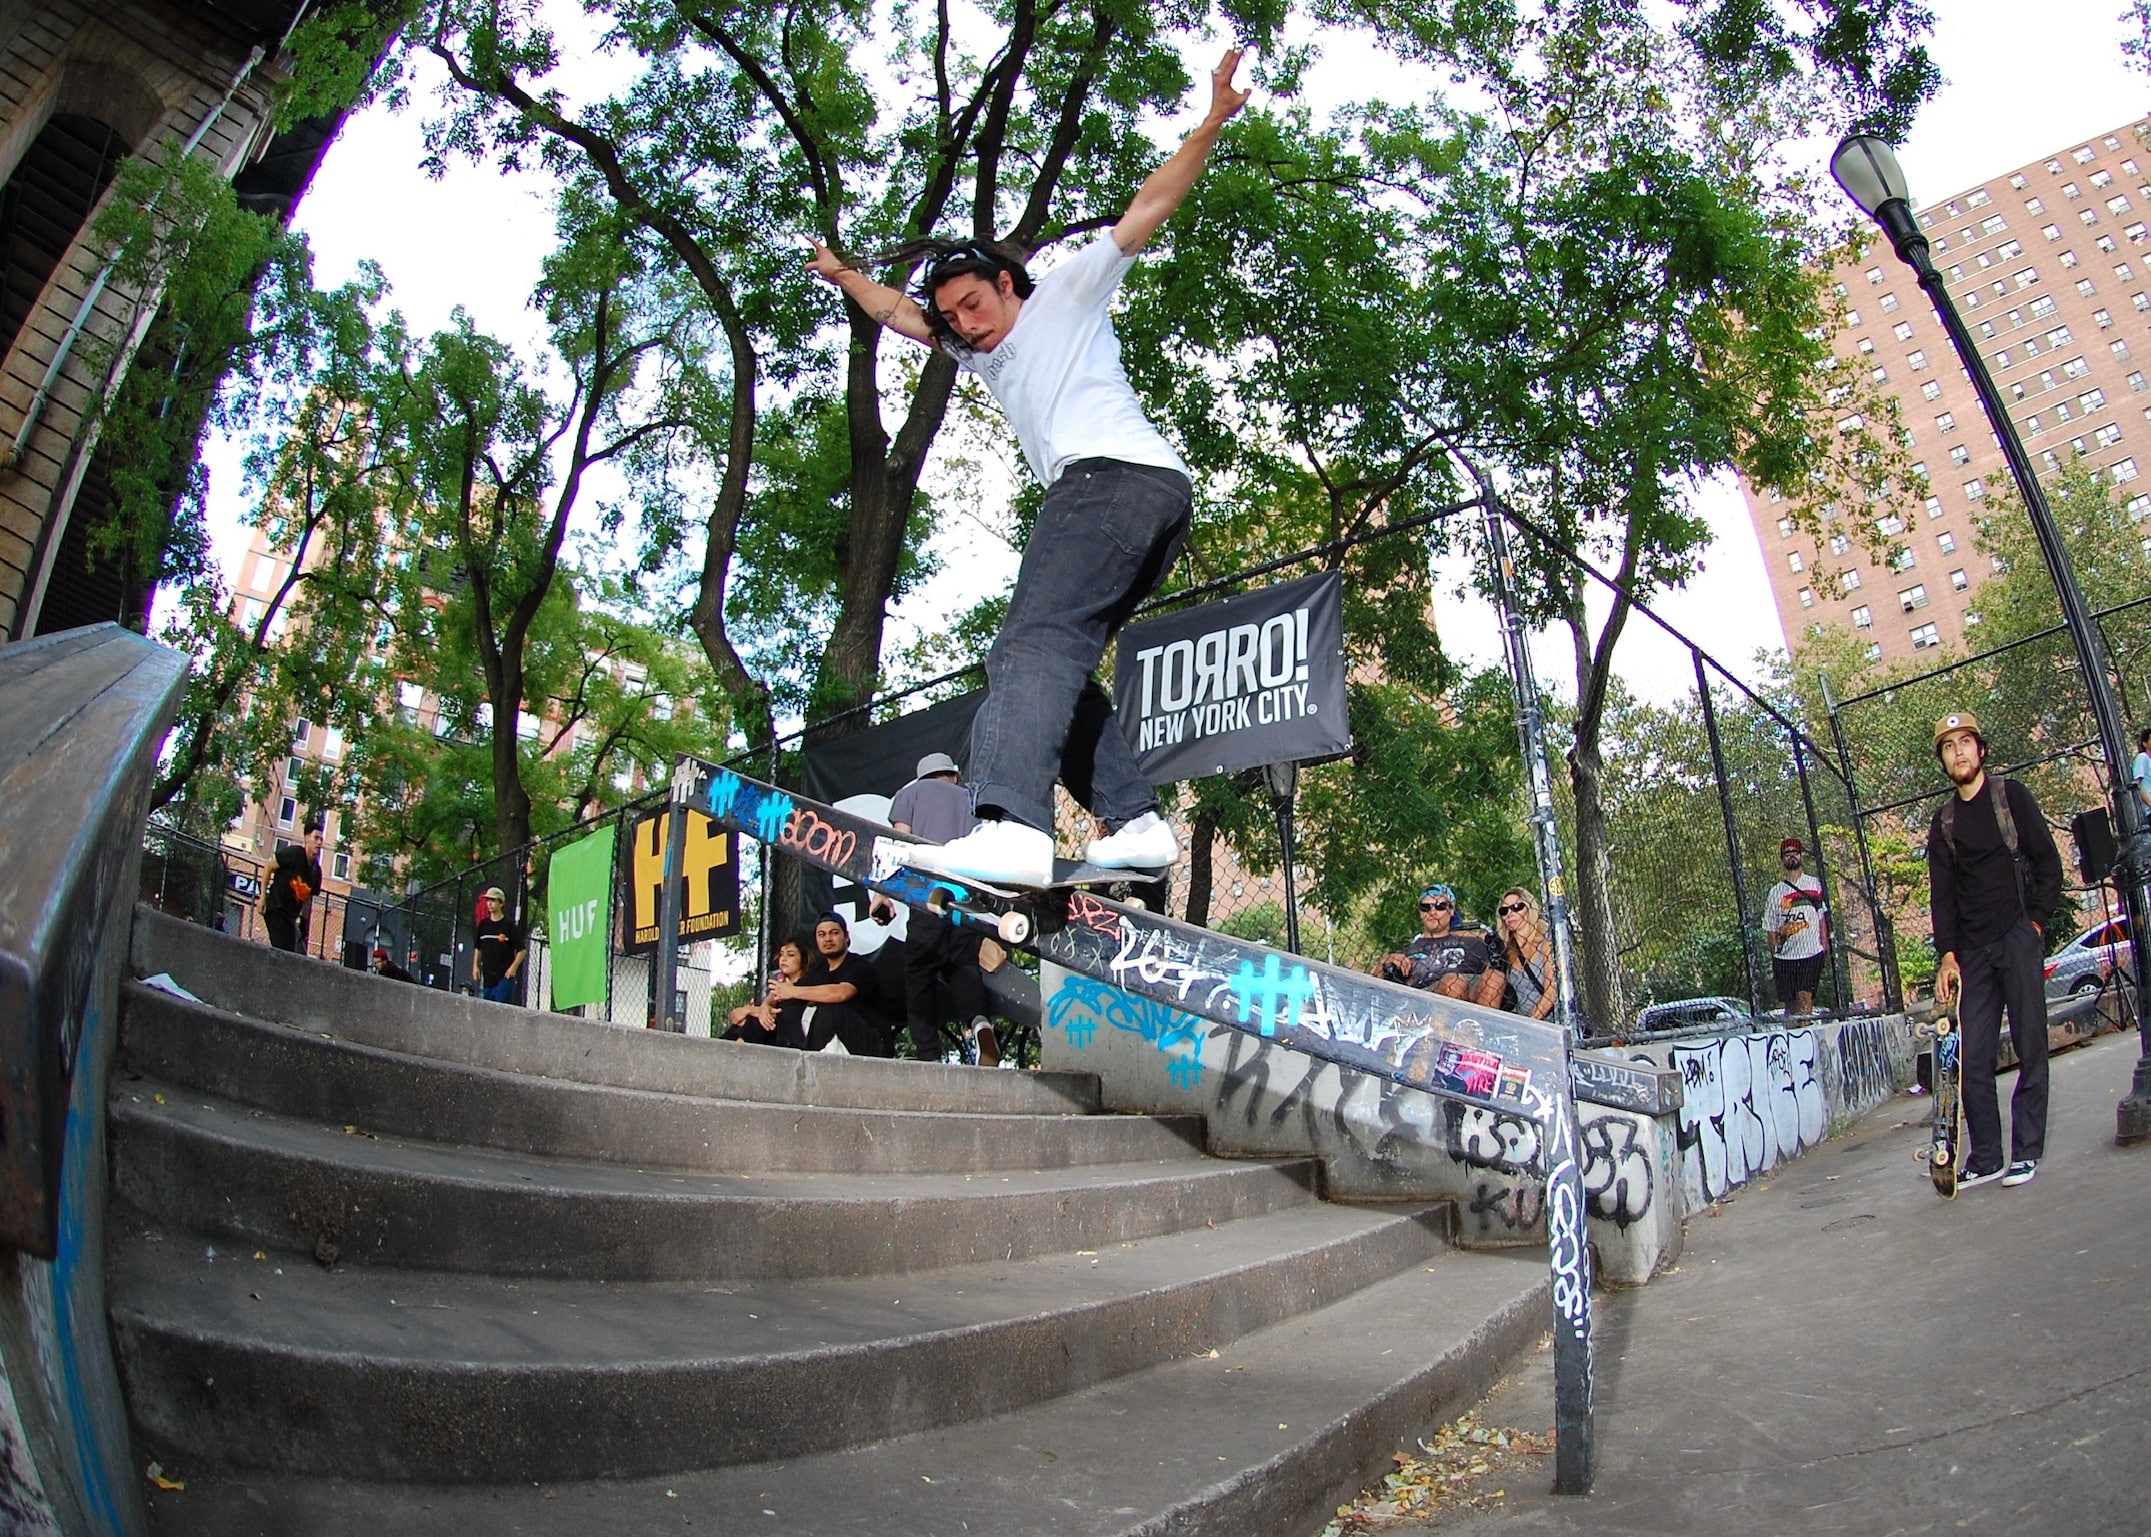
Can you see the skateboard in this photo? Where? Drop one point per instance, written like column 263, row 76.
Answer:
column 1017, row 912
column 1126, row 953
column 1946, row 1147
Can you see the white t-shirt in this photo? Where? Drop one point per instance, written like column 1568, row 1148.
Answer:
column 1796, row 908
column 1057, row 372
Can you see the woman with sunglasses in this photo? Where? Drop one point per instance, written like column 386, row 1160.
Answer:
column 1116, row 511
column 1452, row 962
column 1528, row 950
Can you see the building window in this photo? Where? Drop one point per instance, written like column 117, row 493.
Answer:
column 1889, row 304
column 2070, row 189
column 2138, row 507
column 1934, row 506
column 1852, row 317
column 1958, row 581
column 1848, row 581
column 2059, row 337
column 2009, row 250
column 299, row 733
column 2051, row 231
column 2136, row 383
column 287, row 812
column 2040, row 307
column 2029, row 276
column 2119, row 347
column 2088, row 217
column 2075, row 368
column 2017, row 181
column 1865, row 345
column 1946, row 542
column 1807, row 597
column 2108, row 435
column 340, row 866
column 2134, row 234
column 1874, row 274
column 2118, row 203
column 2050, row 459
column 1916, row 359
column 1912, row 597
column 1993, row 224
column 1852, row 423
column 2091, row 400
column 1960, row 456
column 1978, row 199
column 1890, row 526
column 1903, row 330
column 1793, row 560
column 1879, row 374
column 1839, row 544
column 2082, row 154
column 1974, row 490
column 1931, row 390
column 2141, row 301
column 1946, row 422
column 2125, row 272
column 1904, row 559
column 1863, row 618
column 2123, row 470
column 1785, row 528
column 1925, row 635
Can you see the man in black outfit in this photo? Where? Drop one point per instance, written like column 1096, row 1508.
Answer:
column 936, row 808
column 842, row 990
column 384, row 967
column 1994, row 877
column 497, row 964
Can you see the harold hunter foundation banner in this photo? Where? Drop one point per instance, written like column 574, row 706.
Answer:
column 1236, row 684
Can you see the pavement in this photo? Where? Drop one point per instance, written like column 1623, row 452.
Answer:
column 1839, row 1350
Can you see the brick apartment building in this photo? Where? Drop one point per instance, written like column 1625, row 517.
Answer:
column 2050, row 265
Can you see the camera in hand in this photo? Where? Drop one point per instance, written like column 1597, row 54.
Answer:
column 1392, row 972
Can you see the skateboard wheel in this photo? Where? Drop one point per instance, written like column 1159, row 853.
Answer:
column 1015, row 927
column 1941, row 1157
column 1135, row 902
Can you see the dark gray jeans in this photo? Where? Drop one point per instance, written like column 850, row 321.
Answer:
column 1106, row 536
column 2007, row 974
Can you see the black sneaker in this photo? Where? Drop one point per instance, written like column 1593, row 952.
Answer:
column 2021, row 1172
column 1967, row 1180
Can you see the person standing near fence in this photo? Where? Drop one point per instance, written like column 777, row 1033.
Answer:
column 1116, row 511
column 1796, row 927
column 936, row 807
column 497, row 954
column 285, row 892
column 1994, row 877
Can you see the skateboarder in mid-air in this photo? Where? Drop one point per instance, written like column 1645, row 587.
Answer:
column 1116, row 511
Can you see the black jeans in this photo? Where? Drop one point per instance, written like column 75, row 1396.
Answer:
column 2009, row 973
column 936, row 950
column 1106, row 536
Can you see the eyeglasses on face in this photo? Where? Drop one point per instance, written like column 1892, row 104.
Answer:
column 1436, row 907
column 1513, row 907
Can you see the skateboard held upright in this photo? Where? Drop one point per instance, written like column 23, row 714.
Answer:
column 1946, row 1148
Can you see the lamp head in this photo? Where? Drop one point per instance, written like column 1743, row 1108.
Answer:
column 1866, row 167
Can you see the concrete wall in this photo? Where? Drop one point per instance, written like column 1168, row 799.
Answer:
column 1750, row 1102
column 1379, row 1140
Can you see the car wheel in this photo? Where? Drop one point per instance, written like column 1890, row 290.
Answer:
column 2085, row 987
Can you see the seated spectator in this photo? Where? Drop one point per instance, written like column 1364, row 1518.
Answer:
column 1445, row 960
column 774, row 1021
column 1528, row 953
column 384, row 967
column 841, row 990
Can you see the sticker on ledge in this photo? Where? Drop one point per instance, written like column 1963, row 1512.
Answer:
column 1513, row 1085
column 890, row 856
column 1468, row 1070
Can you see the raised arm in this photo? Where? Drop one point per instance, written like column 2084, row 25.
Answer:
column 1167, row 186
column 893, row 308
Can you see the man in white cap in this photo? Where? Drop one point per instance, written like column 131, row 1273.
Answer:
column 497, row 952
column 1994, row 876
column 936, row 808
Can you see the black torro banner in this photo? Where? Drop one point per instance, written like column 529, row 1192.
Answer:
column 1248, row 681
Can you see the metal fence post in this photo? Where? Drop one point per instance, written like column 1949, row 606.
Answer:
column 1570, row 1256
column 666, row 969
column 1732, row 830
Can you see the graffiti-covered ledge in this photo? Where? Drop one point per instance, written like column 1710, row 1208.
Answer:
column 1673, row 1126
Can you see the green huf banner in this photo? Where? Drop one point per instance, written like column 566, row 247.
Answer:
column 581, row 886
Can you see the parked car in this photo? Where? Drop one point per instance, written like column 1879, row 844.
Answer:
column 1693, row 1013
column 2081, row 965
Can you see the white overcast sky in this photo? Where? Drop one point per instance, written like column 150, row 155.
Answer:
column 2020, row 83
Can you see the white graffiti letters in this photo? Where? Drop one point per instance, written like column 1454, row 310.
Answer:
column 1748, row 1104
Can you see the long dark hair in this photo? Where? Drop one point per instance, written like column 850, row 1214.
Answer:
column 946, row 260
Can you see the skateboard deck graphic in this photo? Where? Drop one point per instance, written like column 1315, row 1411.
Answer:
column 1946, row 1146
column 1481, row 1056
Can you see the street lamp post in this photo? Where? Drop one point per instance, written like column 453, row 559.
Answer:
column 1868, row 171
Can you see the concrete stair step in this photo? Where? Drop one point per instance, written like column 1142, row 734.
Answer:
column 420, row 1376
column 314, row 1075
column 1265, row 1438
column 264, row 984
column 239, row 1175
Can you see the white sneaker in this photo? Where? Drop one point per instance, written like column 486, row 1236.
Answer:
column 1002, row 853
column 1147, row 843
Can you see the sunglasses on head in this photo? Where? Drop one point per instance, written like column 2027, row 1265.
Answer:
column 1436, row 906
column 1513, row 907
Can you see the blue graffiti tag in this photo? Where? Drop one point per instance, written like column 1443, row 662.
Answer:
column 1081, row 1004
column 724, row 793
column 1270, row 997
column 770, row 816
